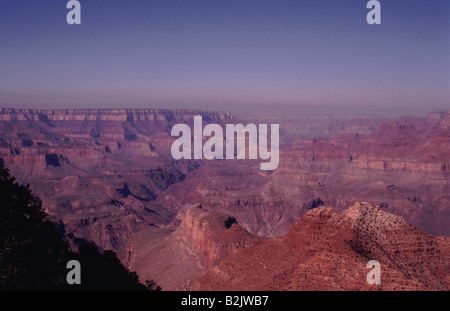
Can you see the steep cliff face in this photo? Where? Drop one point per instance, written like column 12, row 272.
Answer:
column 327, row 251
column 128, row 115
column 173, row 258
column 211, row 235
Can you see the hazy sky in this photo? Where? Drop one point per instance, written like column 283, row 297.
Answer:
column 226, row 55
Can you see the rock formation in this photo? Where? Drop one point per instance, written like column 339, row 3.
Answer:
column 328, row 251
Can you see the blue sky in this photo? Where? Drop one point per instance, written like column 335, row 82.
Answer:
column 236, row 55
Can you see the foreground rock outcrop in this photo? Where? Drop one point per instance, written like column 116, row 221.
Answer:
column 322, row 251
column 328, row 251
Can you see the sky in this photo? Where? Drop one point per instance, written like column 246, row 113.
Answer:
column 232, row 55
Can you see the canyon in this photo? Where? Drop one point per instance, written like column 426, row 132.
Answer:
column 107, row 176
